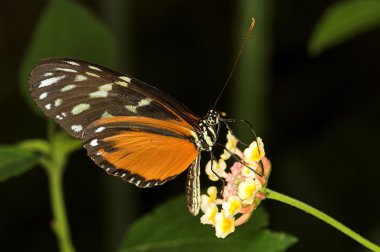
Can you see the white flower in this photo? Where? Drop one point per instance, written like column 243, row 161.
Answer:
column 218, row 168
column 207, row 201
column 209, row 216
column 230, row 145
column 255, row 152
column 223, row 225
column 242, row 184
column 247, row 190
column 232, row 206
column 249, row 172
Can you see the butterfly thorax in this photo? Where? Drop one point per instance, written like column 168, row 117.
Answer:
column 207, row 135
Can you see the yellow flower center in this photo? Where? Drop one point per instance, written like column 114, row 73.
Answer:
column 227, row 224
column 255, row 154
column 247, row 189
column 235, row 206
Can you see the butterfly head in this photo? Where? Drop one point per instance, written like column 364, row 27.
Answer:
column 209, row 129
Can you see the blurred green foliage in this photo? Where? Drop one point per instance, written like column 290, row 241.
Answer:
column 343, row 21
column 169, row 228
column 15, row 160
column 67, row 29
column 253, row 71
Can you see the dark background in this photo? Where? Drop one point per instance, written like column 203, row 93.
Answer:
column 321, row 129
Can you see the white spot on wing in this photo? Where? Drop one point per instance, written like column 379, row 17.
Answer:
column 48, row 74
column 144, row 102
column 50, row 81
column 72, row 63
column 77, row 128
column 80, row 108
column 131, row 108
column 48, row 106
column 98, row 94
column 59, row 117
column 80, row 77
column 100, row 129
column 125, row 78
column 92, row 74
column 66, row 70
column 122, row 83
column 106, row 115
column 58, row 102
column 95, row 68
column 141, row 103
column 94, row 142
column 103, row 91
column 43, row 95
column 106, row 87
column 68, row 87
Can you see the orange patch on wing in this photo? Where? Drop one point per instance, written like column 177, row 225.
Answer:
column 151, row 156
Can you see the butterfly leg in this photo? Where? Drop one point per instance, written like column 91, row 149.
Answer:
column 212, row 158
column 243, row 121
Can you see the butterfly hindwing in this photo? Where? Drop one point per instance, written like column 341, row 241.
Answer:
column 76, row 93
column 143, row 151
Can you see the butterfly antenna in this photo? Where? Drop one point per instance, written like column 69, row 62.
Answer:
column 243, row 44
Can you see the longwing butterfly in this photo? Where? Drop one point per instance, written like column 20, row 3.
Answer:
column 129, row 128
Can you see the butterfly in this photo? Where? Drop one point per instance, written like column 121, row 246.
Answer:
column 129, row 128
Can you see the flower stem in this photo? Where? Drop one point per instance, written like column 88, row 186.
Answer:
column 55, row 167
column 270, row 194
column 59, row 223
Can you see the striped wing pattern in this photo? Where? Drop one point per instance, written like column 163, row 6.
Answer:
column 128, row 127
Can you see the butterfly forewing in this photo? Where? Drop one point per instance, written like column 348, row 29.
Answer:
column 128, row 127
column 75, row 93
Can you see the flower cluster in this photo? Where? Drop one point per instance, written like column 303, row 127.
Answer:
column 243, row 190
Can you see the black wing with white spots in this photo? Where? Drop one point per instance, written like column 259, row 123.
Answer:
column 76, row 93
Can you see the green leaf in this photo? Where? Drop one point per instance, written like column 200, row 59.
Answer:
column 66, row 143
column 15, row 160
column 343, row 21
column 171, row 228
column 67, row 29
column 38, row 145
